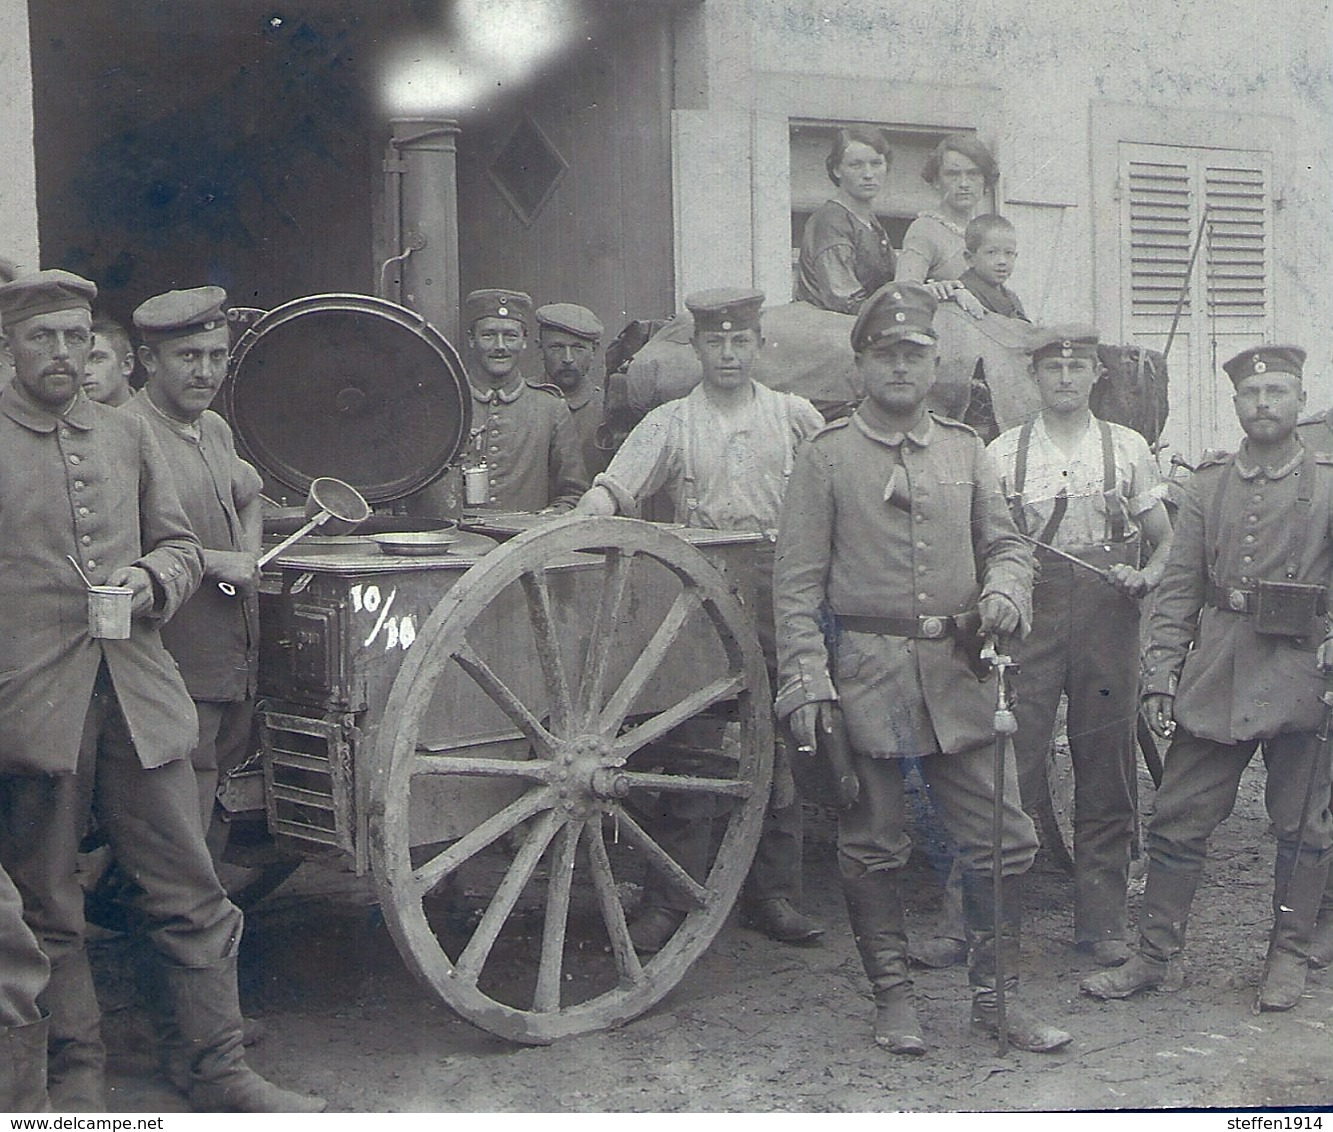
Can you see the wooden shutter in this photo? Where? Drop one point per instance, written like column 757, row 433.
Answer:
column 1161, row 233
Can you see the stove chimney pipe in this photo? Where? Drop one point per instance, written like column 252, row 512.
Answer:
column 421, row 198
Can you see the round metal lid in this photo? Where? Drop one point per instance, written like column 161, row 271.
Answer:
column 349, row 386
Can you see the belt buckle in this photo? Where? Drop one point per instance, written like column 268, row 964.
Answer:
column 1236, row 600
column 932, row 628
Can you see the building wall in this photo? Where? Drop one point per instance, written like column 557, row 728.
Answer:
column 1048, row 89
column 603, row 238
column 18, row 195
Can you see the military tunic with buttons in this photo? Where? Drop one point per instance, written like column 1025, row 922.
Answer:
column 531, row 447
column 92, row 483
column 893, row 526
column 1231, row 683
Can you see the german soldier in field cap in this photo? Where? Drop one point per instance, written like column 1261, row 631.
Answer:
column 723, row 453
column 522, row 429
column 1236, row 661
column 896, row 550
column 214, row 638
column 105, row 714
column 1085, row 487
column 568, row 336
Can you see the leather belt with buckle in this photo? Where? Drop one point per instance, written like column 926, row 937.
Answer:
column 928, row 628
column 1232, row 599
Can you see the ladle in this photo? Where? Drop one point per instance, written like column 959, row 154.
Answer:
column 328, row 499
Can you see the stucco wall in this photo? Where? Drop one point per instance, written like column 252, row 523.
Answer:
column 1031, row 78
column 18, row 197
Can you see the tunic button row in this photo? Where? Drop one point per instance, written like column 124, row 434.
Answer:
column 74, row 459
column 921, row 545
column 1251, row 518
column 87, row 540
column 78, row 485
column 91, row 564
column 83, row 511
column 1249, row 538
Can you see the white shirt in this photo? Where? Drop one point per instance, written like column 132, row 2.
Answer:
column 1080, row 475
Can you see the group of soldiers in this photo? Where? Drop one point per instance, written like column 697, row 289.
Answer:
column 898, row 544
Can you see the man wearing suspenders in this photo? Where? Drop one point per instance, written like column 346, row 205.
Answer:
column 1236, row 661
column 1083, row 486
column 723, row 453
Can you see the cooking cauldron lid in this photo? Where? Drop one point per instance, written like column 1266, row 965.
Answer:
column 349, row 386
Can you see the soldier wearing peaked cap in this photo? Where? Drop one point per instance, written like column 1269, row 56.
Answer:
column 895, row 547
column 568, row 337
column 522, row 431
column 1084, row 486
column 1236, row 661
column 214, row 638
column 723, row 453
column 103, row 715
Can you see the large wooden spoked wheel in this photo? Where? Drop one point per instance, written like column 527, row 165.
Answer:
column 629, row 682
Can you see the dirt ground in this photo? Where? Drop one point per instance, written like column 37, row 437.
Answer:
column 758, row 1026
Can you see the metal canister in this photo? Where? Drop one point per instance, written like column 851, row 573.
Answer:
column 477, row 485
column 109, row 612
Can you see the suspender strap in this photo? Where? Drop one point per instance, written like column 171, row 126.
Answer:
column 1115, row 508
column 1299, row 522
column 1021, row 476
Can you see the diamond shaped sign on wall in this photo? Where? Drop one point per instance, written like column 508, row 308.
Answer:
column 527, row 169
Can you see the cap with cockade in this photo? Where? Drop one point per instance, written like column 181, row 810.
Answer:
column 571, row 318
column 44, row 292
column 497, row 302
column 178, row 314
column 725, row 309
column 1075, row 340
column 897, row 312
column 1265, row 359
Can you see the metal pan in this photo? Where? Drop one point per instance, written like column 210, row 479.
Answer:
column 416, row 543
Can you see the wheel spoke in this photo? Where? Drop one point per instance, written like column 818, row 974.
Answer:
column 547, row 641
column 662, row 861
column 478, row 949
column 539, row 770
column 547, row 996
column 602, row 636
column 688, row 784
column 613, row 912
column 647, row 662
column 505, row 697
column 652, row 729
column 429, row 874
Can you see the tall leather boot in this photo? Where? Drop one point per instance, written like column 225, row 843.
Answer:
column 76, row 1058
column 1301, row 885
column 1163, row 915
column 875, row 908
column 1024, row 1031
column 23, row 1068
column 662, row 909
column 208, row 1012
column 1321, row 940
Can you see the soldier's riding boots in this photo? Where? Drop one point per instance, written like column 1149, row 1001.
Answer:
column 1297, row 890
column 76, row 1058
column 208, row 1012
column 1321, row 941
column 875, row 908
column 1024, row 1031
column 1165, row 910
column 23, row 1067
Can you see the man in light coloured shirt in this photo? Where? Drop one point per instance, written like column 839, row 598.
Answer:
column 723, row 453
column 1085, row 487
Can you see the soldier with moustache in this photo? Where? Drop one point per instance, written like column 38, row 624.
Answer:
column 522, row 431
column 1236, row 661
column 568, row 337
column 895, row 545
column 87, row 718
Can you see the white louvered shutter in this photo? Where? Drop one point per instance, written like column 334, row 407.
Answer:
column 1228, row 303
